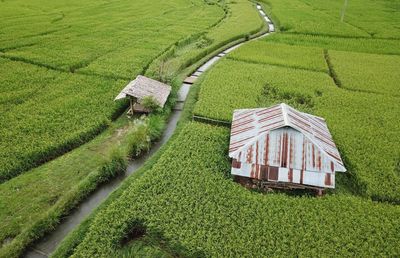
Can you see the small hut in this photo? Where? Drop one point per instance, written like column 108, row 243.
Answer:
column 141, row 88
column 281, row 147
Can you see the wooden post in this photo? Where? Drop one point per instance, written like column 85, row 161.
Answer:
column 320, row 192
column 343, row 10
column 131, row 103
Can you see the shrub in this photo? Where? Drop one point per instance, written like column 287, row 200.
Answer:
column 139, row 139
column 150, row 103
column 116, row 165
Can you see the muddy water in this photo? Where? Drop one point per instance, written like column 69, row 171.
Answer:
column 45, row 246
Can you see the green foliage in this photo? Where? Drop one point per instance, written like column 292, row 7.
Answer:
column 121, row 44
column 139, row 140
column 187, row 197
column 49, row 114
column 116, row 165
column 296, row 16
column 147, row 130
column 377, row 18
column 156, row 126
column 149, row 103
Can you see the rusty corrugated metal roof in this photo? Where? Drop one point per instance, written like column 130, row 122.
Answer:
column 143, row 87
column 250, row 126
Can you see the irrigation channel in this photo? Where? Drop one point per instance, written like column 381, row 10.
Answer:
column 48, row 244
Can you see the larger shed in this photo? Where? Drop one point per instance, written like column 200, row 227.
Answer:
column 282, row 145
column 143, row 87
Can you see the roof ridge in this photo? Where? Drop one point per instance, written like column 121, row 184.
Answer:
column 285, row 114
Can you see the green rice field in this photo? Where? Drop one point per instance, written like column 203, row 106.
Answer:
column 63, row 63
column 62, row 136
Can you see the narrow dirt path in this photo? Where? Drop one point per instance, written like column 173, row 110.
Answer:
column 49, row 243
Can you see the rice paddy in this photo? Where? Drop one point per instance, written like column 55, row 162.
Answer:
column 62, row 64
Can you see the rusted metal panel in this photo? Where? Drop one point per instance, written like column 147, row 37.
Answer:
column 284, row 147
column 297, row 143
column 284, row 175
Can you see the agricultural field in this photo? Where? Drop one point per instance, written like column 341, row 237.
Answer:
column 363, row 19
column 348, row 79
column 253, row 85
column 379, row 76
column 190, row 198
column 69, row 106
column 184, row 202
column 62, row 63
column 344, row 72
column 362, row 45
column 242, row 21
column 282, row 55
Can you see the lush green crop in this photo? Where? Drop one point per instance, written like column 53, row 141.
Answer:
column 34, row 202
column 379, row 19
column 370, row 148
column 311, row 58
column 116, row 39
column 241, row 20
column 367, row 45
column 44, row 194
column 188, row 197
column 318, row 17
column 48, row 113
column 296, row 16
column 235, row 84
column 47, row 105
column 367, row 72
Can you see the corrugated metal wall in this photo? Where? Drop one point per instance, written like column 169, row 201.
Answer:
column 296, row 158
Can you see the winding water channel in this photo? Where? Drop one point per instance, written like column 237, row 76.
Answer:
column 48, row 244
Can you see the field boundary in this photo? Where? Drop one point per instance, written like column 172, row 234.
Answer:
column 206, row 120
column 332, row 73
column 277, row 65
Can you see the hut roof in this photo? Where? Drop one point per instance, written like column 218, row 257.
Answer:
column 248, row 125
column 144, row 87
